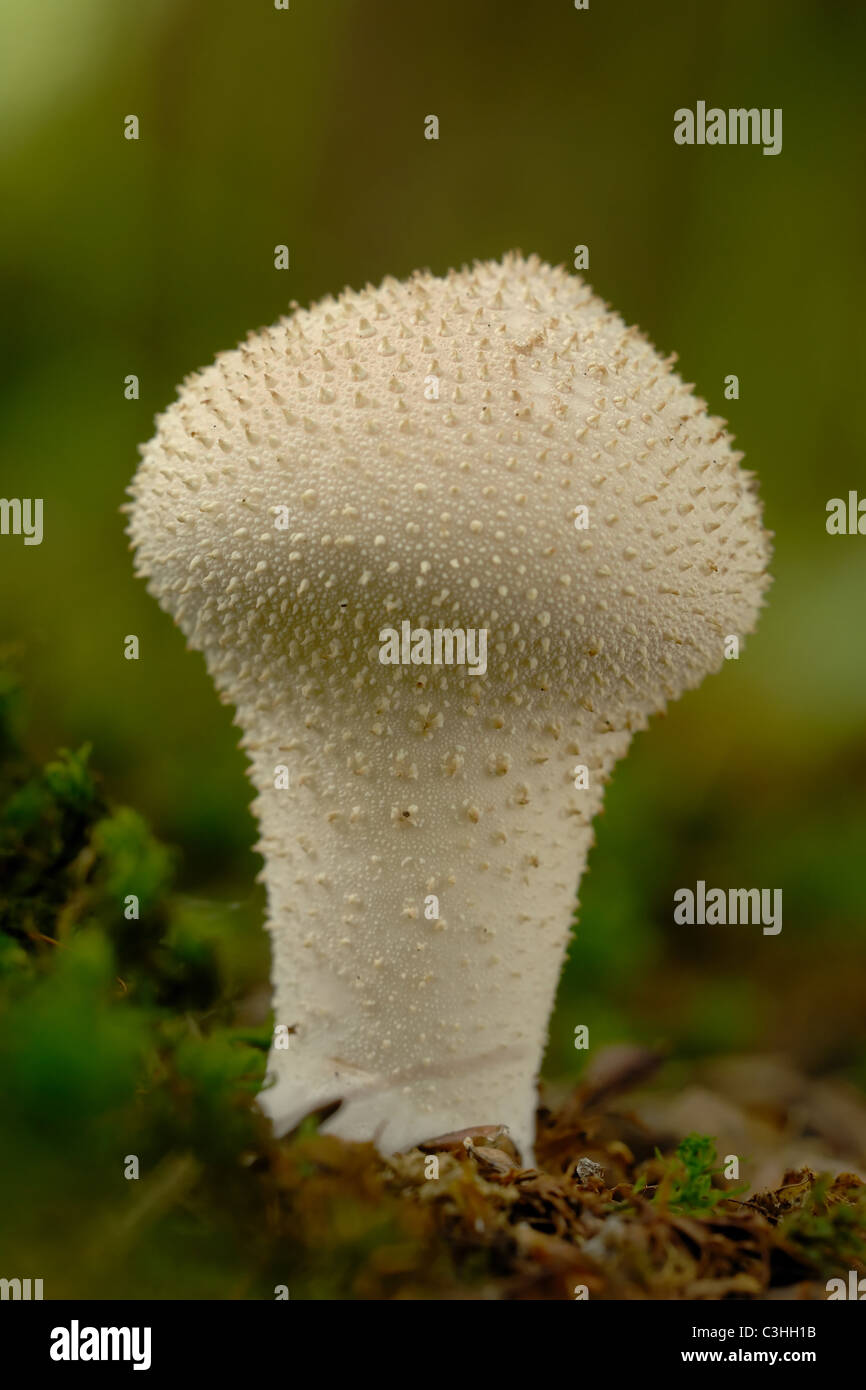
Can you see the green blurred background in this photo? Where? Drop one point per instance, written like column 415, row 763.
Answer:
column 306, row 127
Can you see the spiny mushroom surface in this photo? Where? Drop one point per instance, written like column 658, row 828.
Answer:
column 420, row 452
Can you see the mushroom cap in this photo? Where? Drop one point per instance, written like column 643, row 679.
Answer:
column 420, row 450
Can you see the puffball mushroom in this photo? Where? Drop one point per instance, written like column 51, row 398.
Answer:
column 421, row 453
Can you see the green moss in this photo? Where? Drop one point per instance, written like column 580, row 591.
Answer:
column 827, row 1229
column 687, row 1179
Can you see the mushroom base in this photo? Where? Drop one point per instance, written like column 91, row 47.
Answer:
column 397, row 1113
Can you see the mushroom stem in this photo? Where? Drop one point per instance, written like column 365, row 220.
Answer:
column 422, row 1023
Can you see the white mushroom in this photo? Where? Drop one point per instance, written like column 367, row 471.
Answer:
column 421, row 453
